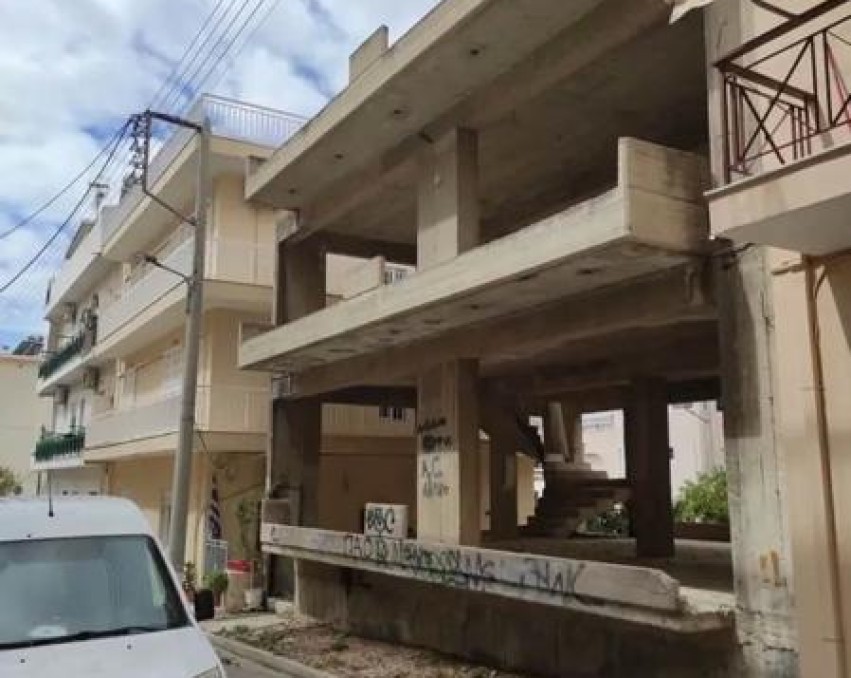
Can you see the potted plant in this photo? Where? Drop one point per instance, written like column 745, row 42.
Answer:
column 189, row 580
column 248, row 514
column 701, row 511
column 217, row 581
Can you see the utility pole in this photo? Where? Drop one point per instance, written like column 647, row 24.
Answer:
column 182, row 474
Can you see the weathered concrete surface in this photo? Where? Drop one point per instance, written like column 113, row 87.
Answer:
column 636, row 594
column 483, row 628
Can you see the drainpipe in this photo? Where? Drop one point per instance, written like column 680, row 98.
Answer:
column 813, row 285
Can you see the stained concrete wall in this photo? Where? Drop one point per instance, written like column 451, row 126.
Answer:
column 505, row 633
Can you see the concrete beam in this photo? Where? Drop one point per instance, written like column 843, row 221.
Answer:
column 585, row 585
column 662, row 301
column 366, row 248
column 368, row 52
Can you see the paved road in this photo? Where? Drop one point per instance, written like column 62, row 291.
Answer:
column 237, row 667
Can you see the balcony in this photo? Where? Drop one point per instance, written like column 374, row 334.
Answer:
column 786, row 116
column 56, row 360
column 218, row 409
column 158, row 295
column 79, row 271
column 63, row 450
column 169, row 173
column 149, row 288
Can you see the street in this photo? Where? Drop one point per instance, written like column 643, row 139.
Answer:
column 236, row 667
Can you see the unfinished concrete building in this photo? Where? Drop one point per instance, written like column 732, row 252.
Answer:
column 543, row 164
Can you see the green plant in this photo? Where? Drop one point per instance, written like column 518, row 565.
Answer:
column 247, row 514
column 9, row 484
column 217, row 581
column 704, row 500
column 612, row 523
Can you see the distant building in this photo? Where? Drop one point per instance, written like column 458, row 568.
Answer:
column 23, row 414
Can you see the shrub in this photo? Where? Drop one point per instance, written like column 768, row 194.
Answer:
column 612, row 523
column 216, row 581
column 9, row 484
column 704, row 500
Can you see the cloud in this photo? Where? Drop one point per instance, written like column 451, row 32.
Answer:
column 70, row 72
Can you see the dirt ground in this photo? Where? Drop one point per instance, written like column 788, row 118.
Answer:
column 318, row 645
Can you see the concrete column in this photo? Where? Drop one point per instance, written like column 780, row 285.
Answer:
column 755, row 471
column 294, row 442
column 447, row 198
column 649, row 468
column 448, row 454
column 503, row 486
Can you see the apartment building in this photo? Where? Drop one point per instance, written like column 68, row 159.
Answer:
column 22, row 416
column 623, row 207
column 114, row 357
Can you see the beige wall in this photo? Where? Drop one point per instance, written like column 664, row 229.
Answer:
column 22, row 414
column 147, row 482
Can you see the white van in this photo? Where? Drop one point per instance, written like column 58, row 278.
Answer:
column 87, row 592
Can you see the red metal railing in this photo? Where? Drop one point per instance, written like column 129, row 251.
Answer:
column 781, row 91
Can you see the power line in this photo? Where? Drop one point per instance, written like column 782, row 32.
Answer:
column 202, row 64
column 236, row 36
column 46, row 205
column 175, row 75
column 115, row 143
column 174, row 97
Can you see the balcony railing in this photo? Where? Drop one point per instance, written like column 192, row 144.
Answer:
column 153, row 284
column 781, row 94
column 56, row 360
column 53, row 446
column 228, row 119
column 236, row 409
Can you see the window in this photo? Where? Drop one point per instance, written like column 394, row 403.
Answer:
column 391, row 413
column 75, row 589
column 172, row 370
column 393, row 274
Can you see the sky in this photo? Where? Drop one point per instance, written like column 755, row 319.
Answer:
column 71, row 71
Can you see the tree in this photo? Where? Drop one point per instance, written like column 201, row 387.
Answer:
column 9, row 484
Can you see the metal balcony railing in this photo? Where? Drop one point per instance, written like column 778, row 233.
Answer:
column 782, row 92
column 228, row 119
column 53, row 446
column 56, row 360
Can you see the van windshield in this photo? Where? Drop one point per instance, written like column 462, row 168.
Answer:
column 64, row 590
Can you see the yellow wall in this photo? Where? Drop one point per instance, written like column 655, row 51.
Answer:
column 147, row 482
column 22, row 414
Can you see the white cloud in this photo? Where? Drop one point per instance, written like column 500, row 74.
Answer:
column 71, row 71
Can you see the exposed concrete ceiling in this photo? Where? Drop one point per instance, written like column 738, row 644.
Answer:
column 551, row 149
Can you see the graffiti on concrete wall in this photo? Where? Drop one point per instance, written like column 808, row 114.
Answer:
column 470, row 569
column 434, row 485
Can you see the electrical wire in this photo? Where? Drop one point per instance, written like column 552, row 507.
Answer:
column 46, row 205
column 212, row 53
column 175, row 75
column 174, row 98
column 114, row 143
column 210, row 71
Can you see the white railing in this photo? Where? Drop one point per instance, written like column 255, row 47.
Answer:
column 229, row 119
column 240, row 261
column 245, row 122
column 152, row 286
column 230, row 409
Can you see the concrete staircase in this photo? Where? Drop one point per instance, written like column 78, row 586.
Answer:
column 571, row 496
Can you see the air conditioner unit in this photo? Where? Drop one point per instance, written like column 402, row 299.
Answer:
column 61, row 395
column 91, row 378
